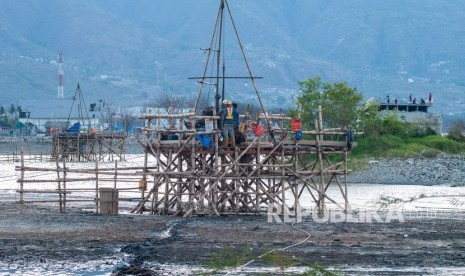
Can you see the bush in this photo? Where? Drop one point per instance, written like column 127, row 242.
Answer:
column 374, row 124
column 376, row 146
column 229, row 257
column 395, row 146
column 444, row 144
column 456, row 131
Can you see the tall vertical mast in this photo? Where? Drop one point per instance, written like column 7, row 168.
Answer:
column 218, row 52
column 60, row 76
column 217, row 36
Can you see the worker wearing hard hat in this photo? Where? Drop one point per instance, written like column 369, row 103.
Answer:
column 230, row 121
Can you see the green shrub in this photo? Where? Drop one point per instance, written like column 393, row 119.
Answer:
column 279, row 259
column 376, row 146
column 228, row 257
column 317, row 270
column 456, row 131
column 443, row 144
column 396, row 146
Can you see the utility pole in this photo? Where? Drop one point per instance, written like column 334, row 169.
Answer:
column 60, row 76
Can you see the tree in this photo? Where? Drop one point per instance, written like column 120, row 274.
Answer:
column 373, row 123
column 2, row 110
column 370, row 120
column 339, row 102
column 12, row 109
column 127, row 120
column 456, row 131
column 171, row 100
column 109, row 116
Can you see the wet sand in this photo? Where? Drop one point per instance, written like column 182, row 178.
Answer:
column 38, row 239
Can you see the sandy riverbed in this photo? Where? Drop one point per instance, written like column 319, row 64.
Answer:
column 40, row 241
column 36, row 239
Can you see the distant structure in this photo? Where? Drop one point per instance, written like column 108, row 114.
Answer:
column 60, row 76
column 82, row 141
column 407, row 107
column 415, row 112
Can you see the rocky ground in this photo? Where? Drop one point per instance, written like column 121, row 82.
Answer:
column 445, row 169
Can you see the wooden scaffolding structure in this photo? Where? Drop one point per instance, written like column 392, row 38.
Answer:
column 273, row 169
column 85, row 147
column 86, row 144
column 187, row 171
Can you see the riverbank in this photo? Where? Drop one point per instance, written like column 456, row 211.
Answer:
column 444, row 169
column 36, row 239
column 425, row 237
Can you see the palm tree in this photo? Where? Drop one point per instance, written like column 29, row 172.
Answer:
column 12, row 109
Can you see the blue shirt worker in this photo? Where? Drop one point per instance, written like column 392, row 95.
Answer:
column 230, row 121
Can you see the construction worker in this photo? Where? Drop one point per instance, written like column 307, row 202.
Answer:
column 236, row 116
column 240, row 135
column 230, row 121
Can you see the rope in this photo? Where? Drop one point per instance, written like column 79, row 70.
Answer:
column 275, row 250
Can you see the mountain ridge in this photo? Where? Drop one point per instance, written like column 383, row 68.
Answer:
column 379, row 47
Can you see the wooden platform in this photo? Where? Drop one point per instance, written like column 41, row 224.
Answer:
column 88, row 147
column 251, row 178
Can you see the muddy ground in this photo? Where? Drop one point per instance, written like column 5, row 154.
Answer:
column 38, row 240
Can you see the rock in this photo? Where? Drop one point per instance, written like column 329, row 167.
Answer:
column 423, row 171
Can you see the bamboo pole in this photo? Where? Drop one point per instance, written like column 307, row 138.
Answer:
column 116, row 175
column 21, row 185
column 178, row 185
column 193, row 167
column 166, row 116
column 167, row 186
column 346, row 198
column 64, row 185
column 59, row 184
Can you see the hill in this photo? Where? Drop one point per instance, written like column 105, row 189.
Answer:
column 127, row 51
